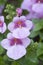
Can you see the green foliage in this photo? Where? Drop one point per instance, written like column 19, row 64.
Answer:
column 10, row 10
column 1, row 50
column 38, row 25
column 40, row 49
column 2, row 1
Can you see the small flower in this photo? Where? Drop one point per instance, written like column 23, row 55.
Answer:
column 2, row 25
column 16, row 48
column 20, row 27
column 19, row 11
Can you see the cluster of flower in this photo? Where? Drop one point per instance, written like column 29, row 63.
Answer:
column 17, row 40
column 35, row 8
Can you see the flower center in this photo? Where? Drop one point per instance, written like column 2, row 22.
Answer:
column 40, row 1
column 15, row 41
column 1, row 24
column 20, row 24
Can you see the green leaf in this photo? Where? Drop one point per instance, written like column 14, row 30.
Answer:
column 41, row 35
column 41, row 57
column 6, row 58
column 1, row 50
column 34, row 34
column 40, row 49
column 2, row 1
column 38, row 25
column 15, row 63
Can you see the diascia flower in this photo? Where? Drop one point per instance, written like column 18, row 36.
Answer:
column 16, row 48
column 20, row 27
column 27, row 4
column 2, row 25
column 35, row 7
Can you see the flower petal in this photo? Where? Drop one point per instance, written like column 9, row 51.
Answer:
column 11, row 26
column 23, row 18
column 5, row 43
column 38, row 8
column 21, row 33
column 2, row 18
column 32, row 15
column 26, row 42
column 4, row 28
column 16, row 52
column 9, row 36
column 0, row 29
column 29, row 24
column 27, row 4
column 15, row 19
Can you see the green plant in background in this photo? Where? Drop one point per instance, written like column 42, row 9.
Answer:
column 2, row 2
column 10, row 10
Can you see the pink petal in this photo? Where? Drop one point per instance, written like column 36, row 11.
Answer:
column 26, row 42
column 29, row 24
column 0, row 29
column 2, row 18
column 27, row 4
column 5, row 43
column 32, row 15
column 9, row 36
column 23, row 18
column 21, row 33
column 11, row 26
column 15, row 19
column 38, row 8
column 4, row 28
column 16, row 52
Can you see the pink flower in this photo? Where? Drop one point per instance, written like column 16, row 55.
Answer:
column 16, row 48
column 19, row 11
column 27, row 4
column 34, row 7
column 20, row 27
column 2, row 25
